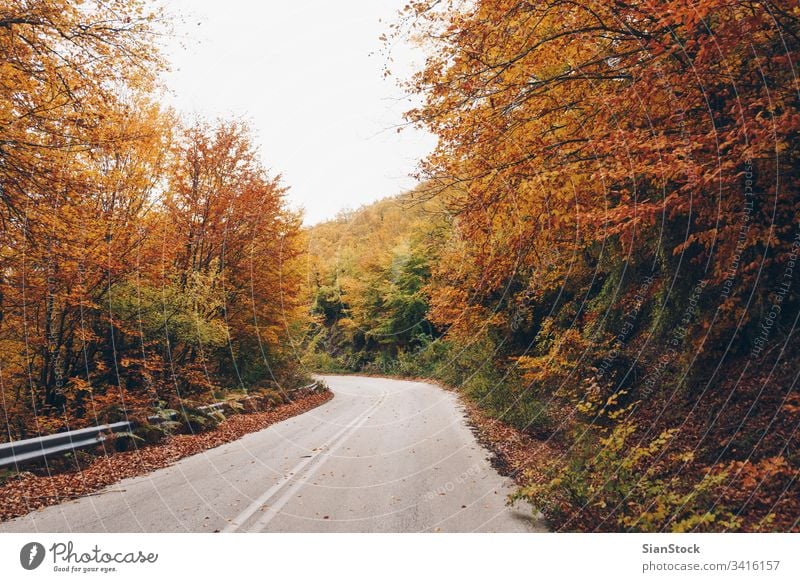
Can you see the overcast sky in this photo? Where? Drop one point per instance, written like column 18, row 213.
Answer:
column 308, row 76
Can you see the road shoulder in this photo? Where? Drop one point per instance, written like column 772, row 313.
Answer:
column 28, row 492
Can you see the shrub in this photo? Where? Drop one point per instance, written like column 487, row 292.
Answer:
column 126, row 441
column 152, row 434
column 194, row 420
column 618, row 483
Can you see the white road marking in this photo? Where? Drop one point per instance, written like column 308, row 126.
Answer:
column 328, row 447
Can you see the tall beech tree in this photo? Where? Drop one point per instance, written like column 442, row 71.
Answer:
column 226, row 222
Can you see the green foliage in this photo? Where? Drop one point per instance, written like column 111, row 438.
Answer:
column 152, row 434
column 327, row 303
column 188, row 314
column 320, row 361
column 195, row 420
column 395, row 306
column 370, row 269
column 622, row 482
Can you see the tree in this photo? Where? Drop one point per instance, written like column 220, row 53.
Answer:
column 648, row 127
column 140, row 260
column 79, row 146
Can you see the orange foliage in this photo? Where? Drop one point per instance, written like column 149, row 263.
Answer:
column 566, row 124
column 129, row 246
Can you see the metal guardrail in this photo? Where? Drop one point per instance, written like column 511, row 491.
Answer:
column 15, row 453
column 18, row 452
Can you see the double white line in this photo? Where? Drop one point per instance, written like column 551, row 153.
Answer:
column 326, row 450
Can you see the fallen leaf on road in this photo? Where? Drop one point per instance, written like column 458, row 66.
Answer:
column 28, row 492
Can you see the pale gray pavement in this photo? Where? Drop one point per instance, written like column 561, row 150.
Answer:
column 382, row 456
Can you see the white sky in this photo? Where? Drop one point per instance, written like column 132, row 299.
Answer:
column 308, row 75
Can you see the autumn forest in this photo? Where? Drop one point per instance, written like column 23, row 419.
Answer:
column 600, row 256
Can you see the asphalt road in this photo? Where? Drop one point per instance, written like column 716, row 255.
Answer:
column 382, row 456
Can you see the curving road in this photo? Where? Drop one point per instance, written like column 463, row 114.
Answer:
column 382, row 456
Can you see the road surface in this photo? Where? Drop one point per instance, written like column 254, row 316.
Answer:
column 381, row 456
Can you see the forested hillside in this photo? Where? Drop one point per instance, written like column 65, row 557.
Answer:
column 603, row 253
column 367, row 270
column 146, row 262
